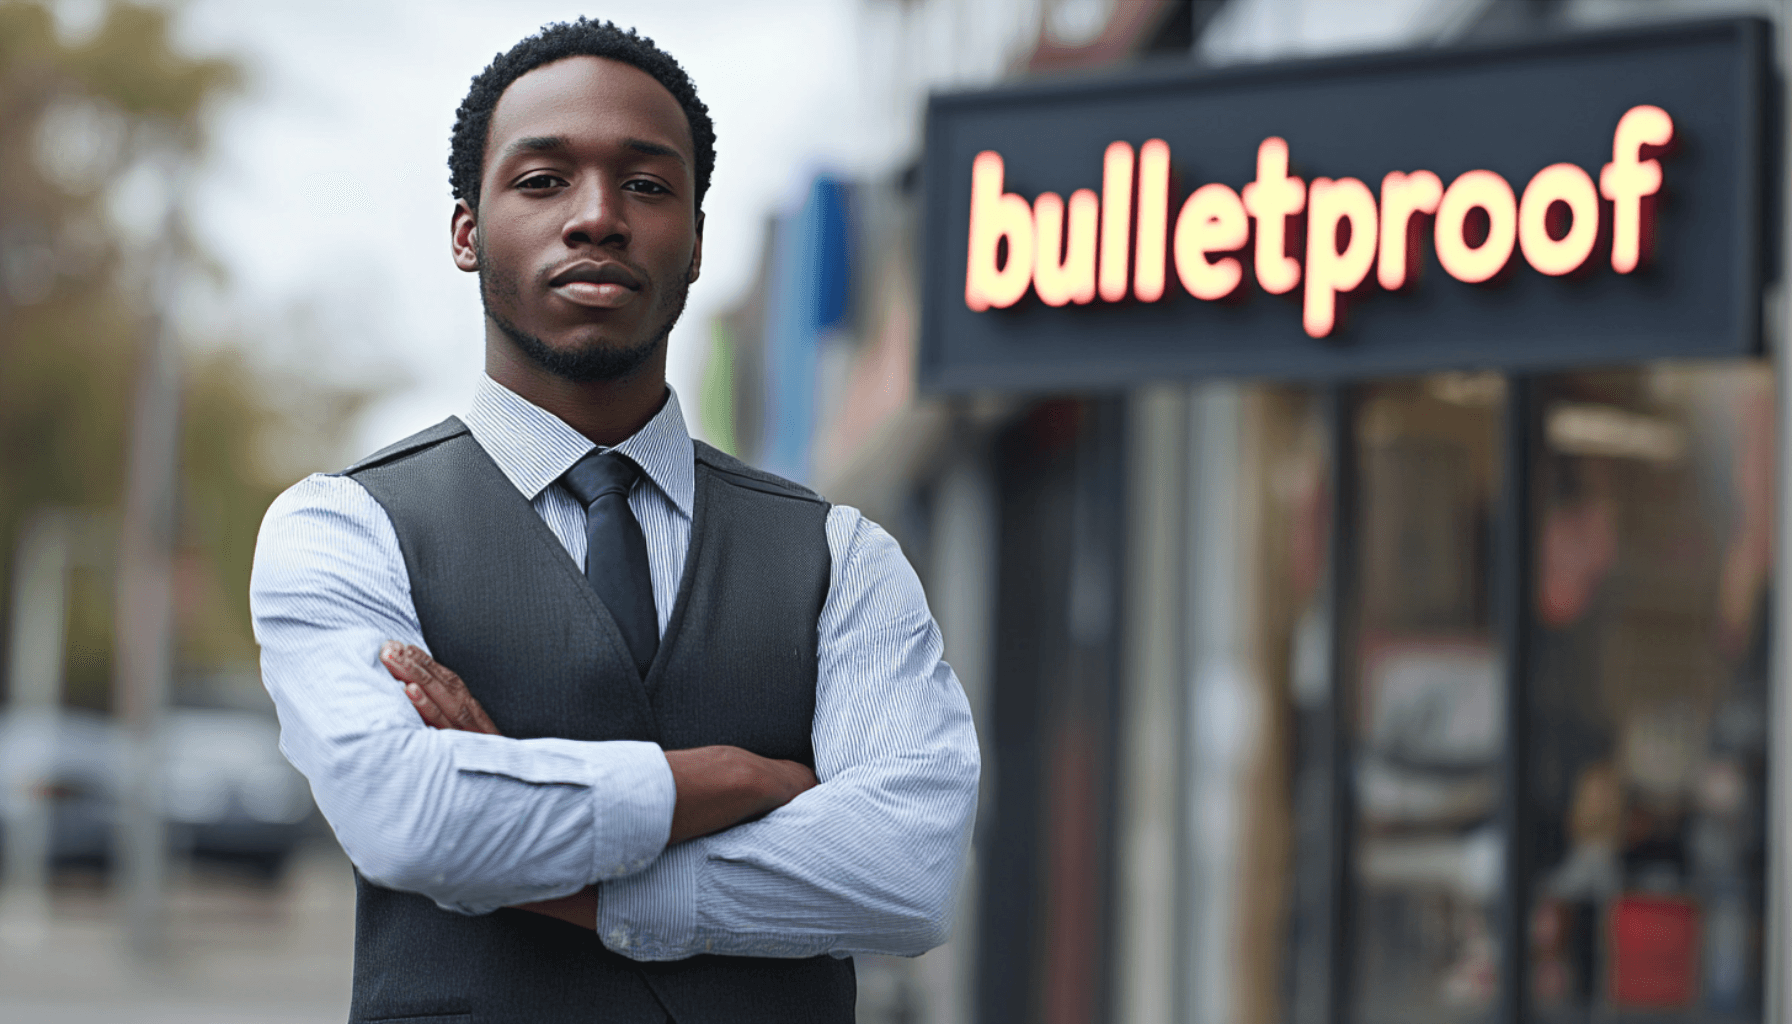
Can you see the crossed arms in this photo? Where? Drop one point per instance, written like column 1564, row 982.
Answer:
column 864, row 861
column 717, row 787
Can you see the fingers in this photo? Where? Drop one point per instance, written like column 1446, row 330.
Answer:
column 428, row 709
column 399, row 661
column 437, row 673
column 465, row 713
column 445, row 702
column 407, row 670
column 413, row 664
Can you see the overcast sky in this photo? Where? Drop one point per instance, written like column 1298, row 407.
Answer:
column 328, row 204
column 327, row 200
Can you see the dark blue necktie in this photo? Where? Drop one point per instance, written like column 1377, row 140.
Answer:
column 615, row 551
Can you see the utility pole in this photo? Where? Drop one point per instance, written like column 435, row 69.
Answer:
column 143, row 652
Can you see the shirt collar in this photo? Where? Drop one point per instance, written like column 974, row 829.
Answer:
column 534, row 447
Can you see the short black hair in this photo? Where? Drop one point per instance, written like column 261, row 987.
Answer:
column 557, row 41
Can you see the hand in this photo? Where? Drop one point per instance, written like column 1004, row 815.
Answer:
column 441, row 698
column 720, row 787
column 437, row 693
column 717, row 787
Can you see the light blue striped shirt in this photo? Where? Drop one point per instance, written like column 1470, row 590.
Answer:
column 866, row 862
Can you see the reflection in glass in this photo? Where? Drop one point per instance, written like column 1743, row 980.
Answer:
column 1648, row 699
column 1265, row 484
column 1427, row 719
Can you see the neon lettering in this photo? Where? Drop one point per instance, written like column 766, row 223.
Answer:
column 1489, row 192
column 1071, row 279
column 1330, row 204
column 1099, row 244
column 1154, row 217
column 1212, row 220
column 1272, row 199
column 1116, row 218
column 996, row 215
column 1403, row 196
column 1629, row 178
column 1570, row 186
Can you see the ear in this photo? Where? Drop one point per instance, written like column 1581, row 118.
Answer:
column 463, row 240
column 696, row 254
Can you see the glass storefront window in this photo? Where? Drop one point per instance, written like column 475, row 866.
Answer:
column 1386, row 769
column 1276, row 950
column 1648, row 699
column 1644, row 698
column 1425, row 703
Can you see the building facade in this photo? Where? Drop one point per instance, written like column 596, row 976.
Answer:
column 1401, row 649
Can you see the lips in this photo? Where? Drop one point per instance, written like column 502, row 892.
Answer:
column 598, row 285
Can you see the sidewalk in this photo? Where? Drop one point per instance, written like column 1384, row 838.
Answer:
column 240, row 951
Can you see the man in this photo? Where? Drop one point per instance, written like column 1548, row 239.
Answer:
column 701, row 746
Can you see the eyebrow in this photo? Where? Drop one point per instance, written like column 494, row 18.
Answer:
column 653, row 149
column 537, row 144
column 553, row 143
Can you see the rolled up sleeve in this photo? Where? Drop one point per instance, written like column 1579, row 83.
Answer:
column 474, row 822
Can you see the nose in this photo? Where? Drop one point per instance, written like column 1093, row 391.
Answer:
column 596, row 218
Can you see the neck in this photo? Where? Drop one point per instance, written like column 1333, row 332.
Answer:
column 606, row 411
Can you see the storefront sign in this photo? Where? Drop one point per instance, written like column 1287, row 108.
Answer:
column 1582, row 202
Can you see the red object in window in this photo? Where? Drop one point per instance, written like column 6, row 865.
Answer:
column 1654, row 952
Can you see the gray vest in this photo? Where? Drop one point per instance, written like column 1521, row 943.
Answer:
column 502, row 604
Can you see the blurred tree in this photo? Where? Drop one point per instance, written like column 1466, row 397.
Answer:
column 93, row 134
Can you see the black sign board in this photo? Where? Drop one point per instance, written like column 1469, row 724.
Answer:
column 1590, row 200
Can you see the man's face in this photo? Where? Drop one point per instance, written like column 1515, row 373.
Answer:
column 586, row 237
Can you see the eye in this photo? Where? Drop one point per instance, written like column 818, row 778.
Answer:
column 535, row 182
column 647, row 186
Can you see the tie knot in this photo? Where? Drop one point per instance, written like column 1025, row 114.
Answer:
column 600, row 473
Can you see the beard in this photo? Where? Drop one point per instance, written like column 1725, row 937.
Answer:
column 593, row 361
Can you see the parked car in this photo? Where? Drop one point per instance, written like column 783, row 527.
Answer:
column 227, row 792
column 76, row 758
